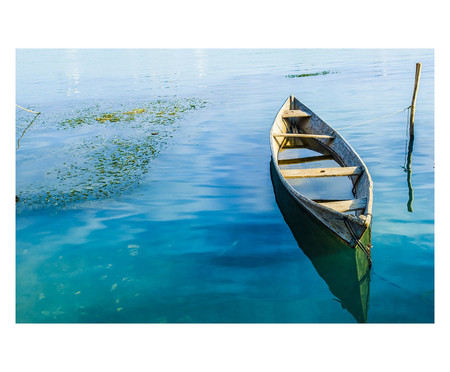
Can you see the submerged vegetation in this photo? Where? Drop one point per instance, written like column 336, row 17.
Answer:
column 111, row 156
column 312, row 74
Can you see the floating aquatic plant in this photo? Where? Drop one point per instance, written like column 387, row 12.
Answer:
column 165, row 111
column 111, row 158
column 108, row 117
column 312, row 74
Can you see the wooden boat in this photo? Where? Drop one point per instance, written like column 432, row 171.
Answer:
column 297, row 132
column 345, row 270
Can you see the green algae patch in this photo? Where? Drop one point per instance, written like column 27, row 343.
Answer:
column 163, row 111
column 112, row 118
column 135, row 111
column 311, row 74
column 109, row 155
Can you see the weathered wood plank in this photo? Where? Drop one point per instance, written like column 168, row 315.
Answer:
column 301, row 135
column 295, row 114
column 308, row 159
column 345, row 205
column 321, row 172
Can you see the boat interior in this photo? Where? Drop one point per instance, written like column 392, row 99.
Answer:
column 314, row 169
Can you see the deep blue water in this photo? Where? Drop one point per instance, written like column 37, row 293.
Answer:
column 201, row 237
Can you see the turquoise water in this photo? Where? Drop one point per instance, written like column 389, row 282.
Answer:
column 200, row 237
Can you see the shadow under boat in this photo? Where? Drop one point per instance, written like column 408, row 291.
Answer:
column 346, row 270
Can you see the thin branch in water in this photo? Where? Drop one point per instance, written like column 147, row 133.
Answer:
column 23, row 108
column 29, row 125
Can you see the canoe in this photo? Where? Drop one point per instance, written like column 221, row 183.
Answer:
column 323, row 173
column 345, row 270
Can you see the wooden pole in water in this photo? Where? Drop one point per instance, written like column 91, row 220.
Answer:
column 411, row 137
column 413, row 103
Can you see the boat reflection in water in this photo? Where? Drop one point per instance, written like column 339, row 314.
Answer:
column 346, row 270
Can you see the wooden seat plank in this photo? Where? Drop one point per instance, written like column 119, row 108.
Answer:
column 321, row 172
column 345, row 205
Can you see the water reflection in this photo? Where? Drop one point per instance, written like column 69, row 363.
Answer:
column 345, row 270
column 72, row 72
column 201, row 62
column 408, row 171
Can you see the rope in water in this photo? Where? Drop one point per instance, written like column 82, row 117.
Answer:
column 370, row 121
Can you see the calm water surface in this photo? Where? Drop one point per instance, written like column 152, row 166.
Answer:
column 201, row 238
